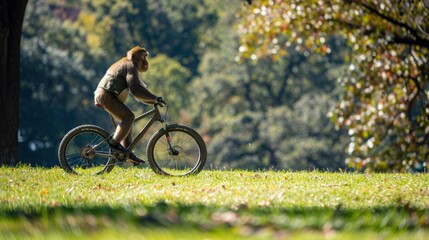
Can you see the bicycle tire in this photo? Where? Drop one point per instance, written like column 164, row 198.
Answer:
column 191, row 157
column 74, row 144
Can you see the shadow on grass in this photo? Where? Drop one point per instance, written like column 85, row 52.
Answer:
column 208, row 218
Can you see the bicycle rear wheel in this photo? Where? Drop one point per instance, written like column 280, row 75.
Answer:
column 77, row 155
column 189, row 157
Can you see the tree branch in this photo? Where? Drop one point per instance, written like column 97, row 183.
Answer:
column 413, row 31
column 410, row 41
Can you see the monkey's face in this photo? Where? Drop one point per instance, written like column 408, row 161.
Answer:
column 138, row 56
column 142, row 63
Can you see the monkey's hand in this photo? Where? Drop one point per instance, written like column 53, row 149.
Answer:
column 161, row 101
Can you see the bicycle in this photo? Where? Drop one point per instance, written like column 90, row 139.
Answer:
column 174, row 150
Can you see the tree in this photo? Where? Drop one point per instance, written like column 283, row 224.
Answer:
column 265, row 114
column 11, row 18
column 169, row 79
column 385, row 105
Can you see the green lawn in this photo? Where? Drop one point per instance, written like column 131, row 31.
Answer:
column 136, row 203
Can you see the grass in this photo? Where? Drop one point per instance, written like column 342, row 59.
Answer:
column 136, row 203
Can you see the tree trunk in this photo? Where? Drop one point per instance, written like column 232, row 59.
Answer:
column 11, row 19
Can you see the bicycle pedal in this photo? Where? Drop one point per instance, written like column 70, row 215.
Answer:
column 121, row 157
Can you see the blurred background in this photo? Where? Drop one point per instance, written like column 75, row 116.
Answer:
column 252, row 115
column 265, row 114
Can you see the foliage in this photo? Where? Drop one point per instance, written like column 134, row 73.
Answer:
column 269, row 113
column 67, row 47
column 48, row 202
column 385, row 104
column 169, row 79
column 173, row 28
column 248, row 118
column 56, row 82
column 266, row 114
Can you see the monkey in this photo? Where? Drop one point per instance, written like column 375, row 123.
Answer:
column 112, row 91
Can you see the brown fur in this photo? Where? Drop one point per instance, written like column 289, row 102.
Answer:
column 129, row 67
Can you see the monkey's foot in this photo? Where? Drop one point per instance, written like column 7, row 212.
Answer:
column 132, row 158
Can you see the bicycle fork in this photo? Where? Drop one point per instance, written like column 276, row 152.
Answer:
column 171, row 149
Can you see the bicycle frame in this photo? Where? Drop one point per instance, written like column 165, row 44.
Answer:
column 156, row 117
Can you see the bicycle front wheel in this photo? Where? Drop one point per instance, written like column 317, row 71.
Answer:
column 84, row 151
column 189, row 154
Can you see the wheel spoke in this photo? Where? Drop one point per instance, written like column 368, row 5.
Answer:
column 188, row 159
column 76, row 155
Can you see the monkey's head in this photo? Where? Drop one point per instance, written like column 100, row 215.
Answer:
column 138, row 56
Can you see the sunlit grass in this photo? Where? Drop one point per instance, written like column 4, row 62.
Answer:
column 215, row 203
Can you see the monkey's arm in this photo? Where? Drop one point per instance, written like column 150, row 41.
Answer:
column 138, row 90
